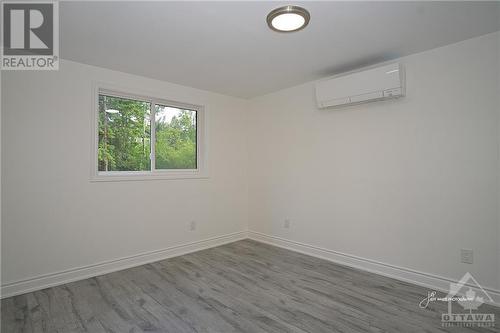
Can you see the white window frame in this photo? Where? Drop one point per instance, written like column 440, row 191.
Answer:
column 201, row 153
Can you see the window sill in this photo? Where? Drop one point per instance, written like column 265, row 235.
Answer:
column 145, row 176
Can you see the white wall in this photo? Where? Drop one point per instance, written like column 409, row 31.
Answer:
column 55, row 219
column 406, row 182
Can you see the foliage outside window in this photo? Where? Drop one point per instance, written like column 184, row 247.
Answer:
column 145, row 136
column 175, row 144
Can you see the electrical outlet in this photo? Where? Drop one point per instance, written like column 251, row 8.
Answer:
column 467, row 256
column 286, row 224
column 192, row 226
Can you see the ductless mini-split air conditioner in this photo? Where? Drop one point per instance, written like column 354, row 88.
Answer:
column 365, row 86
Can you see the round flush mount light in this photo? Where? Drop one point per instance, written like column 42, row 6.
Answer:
column 288, row 19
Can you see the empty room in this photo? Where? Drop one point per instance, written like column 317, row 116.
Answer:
column 250, row 166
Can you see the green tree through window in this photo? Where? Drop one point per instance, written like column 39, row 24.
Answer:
column 175, row 138
column 125, row 136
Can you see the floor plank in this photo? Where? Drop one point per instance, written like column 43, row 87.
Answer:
column 244, row 286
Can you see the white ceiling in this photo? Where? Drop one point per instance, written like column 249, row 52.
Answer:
column 226, row 47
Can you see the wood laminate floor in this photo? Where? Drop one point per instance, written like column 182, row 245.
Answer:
column 244, row 286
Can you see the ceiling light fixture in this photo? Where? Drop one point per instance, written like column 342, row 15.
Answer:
column 288, row 19
column 112, row 111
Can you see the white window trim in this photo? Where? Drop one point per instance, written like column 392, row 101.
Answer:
column 201, row 139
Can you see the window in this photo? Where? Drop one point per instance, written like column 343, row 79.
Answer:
column 175, row 138
column 142, row 137
column 124, row 134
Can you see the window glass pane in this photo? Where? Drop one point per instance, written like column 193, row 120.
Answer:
column 124, row 134
column 175, row 138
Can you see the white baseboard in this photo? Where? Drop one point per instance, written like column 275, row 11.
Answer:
column 433, row 282
column 80, row 273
